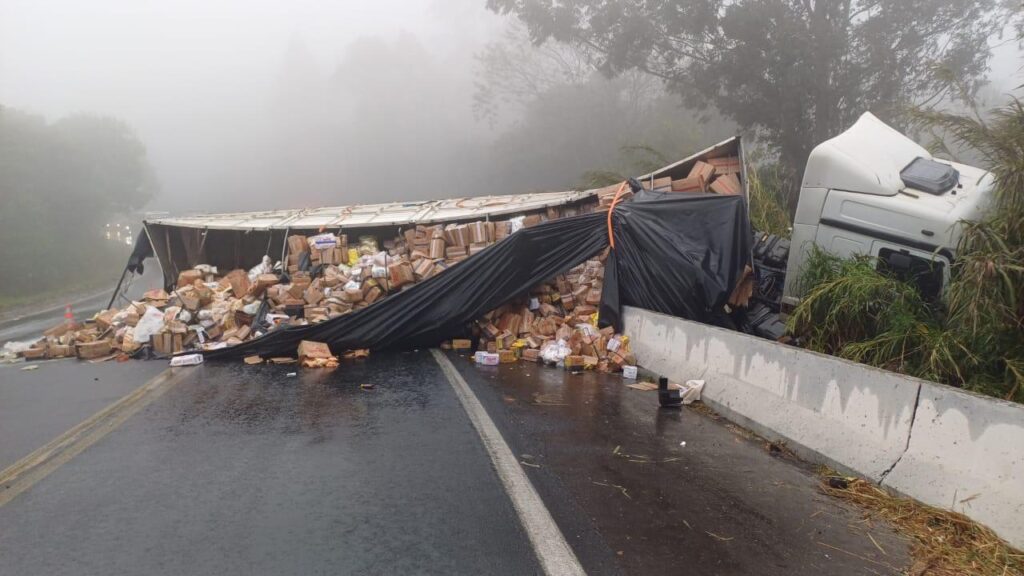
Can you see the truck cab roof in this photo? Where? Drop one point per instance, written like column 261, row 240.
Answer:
column 870, row 165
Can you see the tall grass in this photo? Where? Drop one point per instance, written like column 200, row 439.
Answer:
column 768, row 213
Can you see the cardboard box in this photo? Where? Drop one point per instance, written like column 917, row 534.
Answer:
column 34, row 353
column 59, row 350
column 727, row 165
column 487, row 359
column 91, row 350
column 188, row 277
column 455, row 251
column 239, row 282
column 462, row 344
column 687, row 185
column 531, row 355
column 312, row 296
column 297, row 244
column 423, row 268
column 728, row 185
column 506, row 356
column 573, row 361
column 311, row 349
column 400, row 274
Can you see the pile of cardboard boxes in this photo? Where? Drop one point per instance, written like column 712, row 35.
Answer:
column 713, row 175
column 556, row 323
column 323, row 276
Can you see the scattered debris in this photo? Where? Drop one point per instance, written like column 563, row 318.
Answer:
column 30, row 367
column 717, row 537
column 253, row 360
column 187, row 360
column 548, row 399
column 531, row 465
column 367, row 386
column 944, row 542
column 621, row 488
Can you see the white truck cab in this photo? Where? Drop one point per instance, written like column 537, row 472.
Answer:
column 873, row 191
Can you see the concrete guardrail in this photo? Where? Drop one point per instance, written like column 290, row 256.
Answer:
column 932, row 442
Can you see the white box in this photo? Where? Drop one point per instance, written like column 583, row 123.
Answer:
column 629, row 372
column 487, row 359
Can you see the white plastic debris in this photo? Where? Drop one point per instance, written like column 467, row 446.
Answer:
column 14, row 348
column 555, row 352
column 187, row 360
column 516, row 224
column 150, row 323
column 629, row 372
column 690, row 392
column 264, row 267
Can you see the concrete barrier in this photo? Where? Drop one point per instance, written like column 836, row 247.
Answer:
column 940, row 445
column 966, row 454
column 844, row 414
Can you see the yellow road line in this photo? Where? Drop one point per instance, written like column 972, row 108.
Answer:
column 24, row 473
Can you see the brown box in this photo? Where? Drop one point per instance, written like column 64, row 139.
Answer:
column 728, row 165
column 59, row 350
column 423, row 268
column 531, row 355
column 311, row 349
column 313, row 296
column 97, row 349
column 502, row 230
column 239, row 282
column 188, row 277
column 531, row 220
column 455, row 251
column 372, row 295
column 506, row 356
column 462, row 344
column 687, row 185
column 573, row 361
column 728, row 185
column 703, row 171
column 400, row 274
column 189, row 299
column 297, row 244
column 662, row 183
column 34, row 353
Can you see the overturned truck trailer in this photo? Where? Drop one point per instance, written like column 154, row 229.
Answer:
column 676, row 241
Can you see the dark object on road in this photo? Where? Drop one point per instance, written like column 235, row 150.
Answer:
column 762, row 321
column 668, row 398
column 679, row 254
column 838, row 482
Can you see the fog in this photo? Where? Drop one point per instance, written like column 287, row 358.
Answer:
column 246, row 105
column 261, row 104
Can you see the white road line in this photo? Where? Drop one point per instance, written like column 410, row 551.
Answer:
column 554, row 553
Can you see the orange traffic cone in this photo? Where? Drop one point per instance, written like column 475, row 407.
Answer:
column 69, row 316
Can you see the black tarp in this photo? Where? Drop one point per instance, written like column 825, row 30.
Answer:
column 680, row 254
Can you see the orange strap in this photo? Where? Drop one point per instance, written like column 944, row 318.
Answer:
column 611, row 237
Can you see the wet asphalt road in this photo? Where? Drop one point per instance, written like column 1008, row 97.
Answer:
column 245, row 470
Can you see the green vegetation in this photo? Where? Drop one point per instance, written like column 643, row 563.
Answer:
column 974, row 338
column 768, row 213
